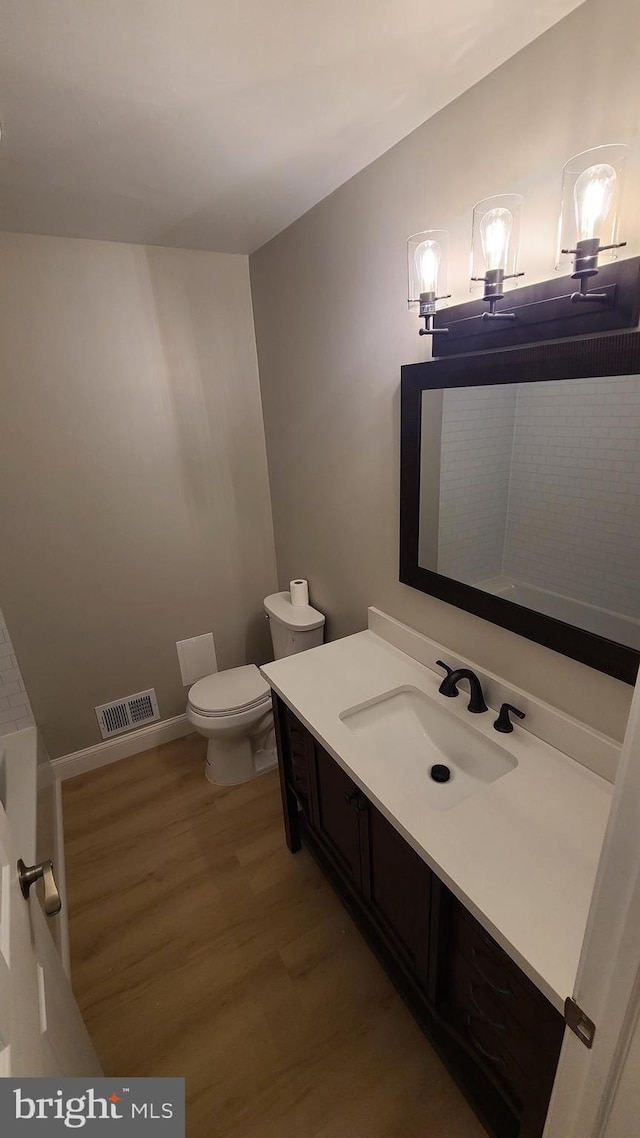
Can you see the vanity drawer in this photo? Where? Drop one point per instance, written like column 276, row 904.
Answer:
column 502, row 981
column 489, row 1046
column 488, row 1025
column 520, row 1061
column 505, row 1022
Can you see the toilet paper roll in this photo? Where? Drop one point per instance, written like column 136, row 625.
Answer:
column 299, row 593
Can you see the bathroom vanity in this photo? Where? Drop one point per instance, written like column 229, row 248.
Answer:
column 475, row 903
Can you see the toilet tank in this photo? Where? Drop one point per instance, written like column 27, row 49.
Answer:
column 294, row 628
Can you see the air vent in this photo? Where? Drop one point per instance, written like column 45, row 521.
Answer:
column 132, row 711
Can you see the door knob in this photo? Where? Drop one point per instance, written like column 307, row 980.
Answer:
column 27, row 874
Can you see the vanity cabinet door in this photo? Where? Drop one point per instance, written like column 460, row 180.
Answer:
column 336, row 812
column 397, row 885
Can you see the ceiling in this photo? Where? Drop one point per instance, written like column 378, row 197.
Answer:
column 210, row 124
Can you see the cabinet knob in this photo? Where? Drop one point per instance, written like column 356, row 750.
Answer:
column 357, row 800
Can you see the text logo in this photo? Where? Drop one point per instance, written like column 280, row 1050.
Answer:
column 136, row 1108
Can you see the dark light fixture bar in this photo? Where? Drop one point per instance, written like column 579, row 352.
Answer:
column 589, row 214
column 546, row 311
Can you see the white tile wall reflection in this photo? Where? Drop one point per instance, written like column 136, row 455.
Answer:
column 540, row 483
column 475, row 464
column 574, row 505
column 15, row 709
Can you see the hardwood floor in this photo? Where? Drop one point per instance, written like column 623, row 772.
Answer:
column 201, row 947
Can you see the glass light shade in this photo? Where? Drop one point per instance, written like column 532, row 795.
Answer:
column 427, row 263
column 593, row 197
column 495, row 232
column 495, row 236
column 592, row 184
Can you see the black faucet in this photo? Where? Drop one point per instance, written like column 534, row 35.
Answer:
column 449, row 686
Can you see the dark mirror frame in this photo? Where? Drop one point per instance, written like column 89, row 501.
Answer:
column 574, row 359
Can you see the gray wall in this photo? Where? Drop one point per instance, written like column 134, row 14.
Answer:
column 332, row 328
column 134, row 499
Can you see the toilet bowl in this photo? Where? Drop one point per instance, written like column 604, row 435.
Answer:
column 232, row 709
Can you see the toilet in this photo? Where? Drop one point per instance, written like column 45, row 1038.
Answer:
column 232, row 709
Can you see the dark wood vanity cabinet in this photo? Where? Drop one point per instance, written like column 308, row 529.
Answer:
column 497, row 1033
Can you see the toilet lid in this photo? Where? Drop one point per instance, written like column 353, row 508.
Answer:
column 231, row 690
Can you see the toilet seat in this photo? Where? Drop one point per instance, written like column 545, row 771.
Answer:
column 230, row 692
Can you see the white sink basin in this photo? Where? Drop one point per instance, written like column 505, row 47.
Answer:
column 413, row 732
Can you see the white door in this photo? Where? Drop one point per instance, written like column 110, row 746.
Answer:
column 591, row 1091
column 41, row 1029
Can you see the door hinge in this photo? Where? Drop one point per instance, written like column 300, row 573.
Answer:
column 580, row 1024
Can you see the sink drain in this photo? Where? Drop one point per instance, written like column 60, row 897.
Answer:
column 440, row 773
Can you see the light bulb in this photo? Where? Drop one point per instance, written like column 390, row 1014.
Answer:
column 427, row 256
column 495, row 231
column 592, row 196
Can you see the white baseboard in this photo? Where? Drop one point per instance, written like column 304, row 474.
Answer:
column 67, row 766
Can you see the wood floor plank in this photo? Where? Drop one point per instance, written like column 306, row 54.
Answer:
column 201, row 947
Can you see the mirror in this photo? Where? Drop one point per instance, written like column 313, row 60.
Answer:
column 521, row 492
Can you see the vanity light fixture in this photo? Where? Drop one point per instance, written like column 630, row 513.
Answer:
column 427, row 262
column 545, row 310
column 495, row 240
column 591, row 192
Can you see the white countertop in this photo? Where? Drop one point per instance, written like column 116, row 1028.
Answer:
column 520, row 853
